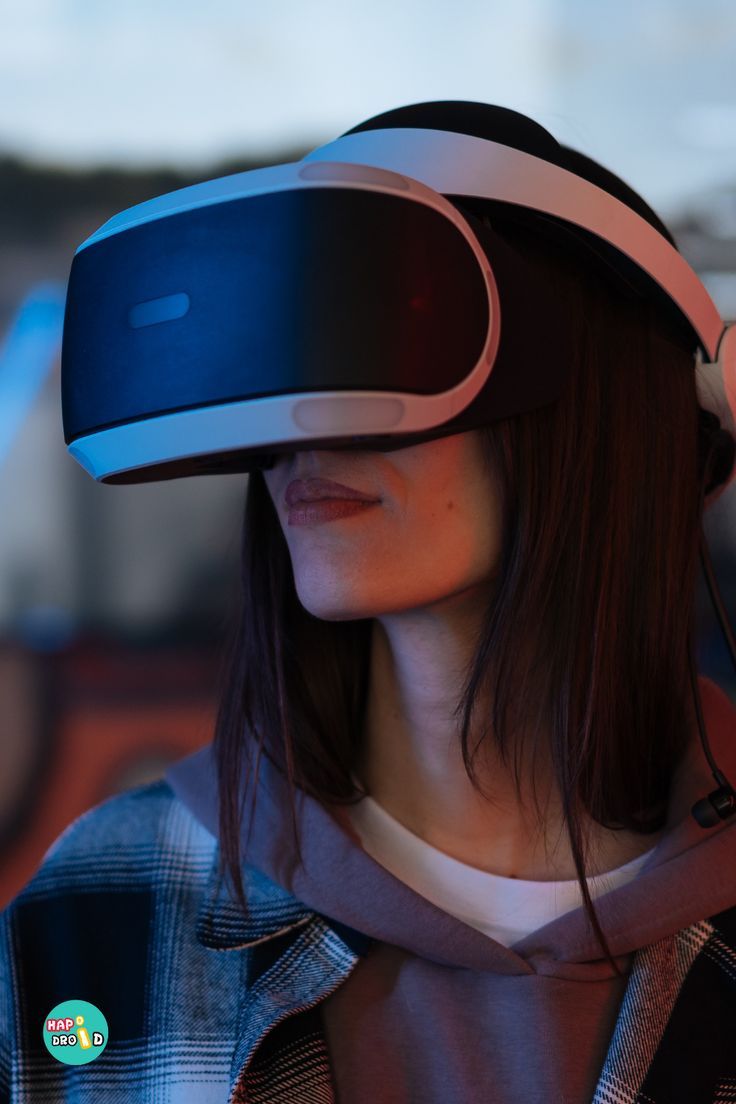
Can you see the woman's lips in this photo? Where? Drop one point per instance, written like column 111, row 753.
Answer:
column 327, row 509
column 316, row 500
column 312, row 490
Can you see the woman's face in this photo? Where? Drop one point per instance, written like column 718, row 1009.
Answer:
column 432, row 540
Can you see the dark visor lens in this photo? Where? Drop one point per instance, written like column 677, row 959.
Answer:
column 317, row 289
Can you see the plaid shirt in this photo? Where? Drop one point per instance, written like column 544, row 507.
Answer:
column 205, row 1006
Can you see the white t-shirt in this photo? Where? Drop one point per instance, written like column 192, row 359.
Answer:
column 507, row 909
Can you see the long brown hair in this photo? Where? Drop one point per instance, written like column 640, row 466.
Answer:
column 601, row 505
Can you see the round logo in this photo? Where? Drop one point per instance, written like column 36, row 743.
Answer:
column 75, row 1032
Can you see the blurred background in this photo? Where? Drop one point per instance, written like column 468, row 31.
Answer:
column 114, row 601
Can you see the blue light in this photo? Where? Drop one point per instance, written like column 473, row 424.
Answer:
column 27, row 355
column 46, row 628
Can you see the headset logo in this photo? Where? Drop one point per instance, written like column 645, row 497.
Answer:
column 75, row 1032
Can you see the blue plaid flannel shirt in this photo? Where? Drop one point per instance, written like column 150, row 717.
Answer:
column 207, row 1007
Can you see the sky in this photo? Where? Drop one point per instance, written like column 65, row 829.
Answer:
column 648, row 89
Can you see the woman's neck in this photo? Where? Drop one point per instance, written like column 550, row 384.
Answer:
column 415, row 771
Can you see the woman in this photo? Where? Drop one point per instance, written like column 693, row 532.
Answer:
column 452, row 717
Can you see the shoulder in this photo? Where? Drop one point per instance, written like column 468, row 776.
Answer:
column 132, row 839
column 141, row 815
column 125, row 869
column 135, row 855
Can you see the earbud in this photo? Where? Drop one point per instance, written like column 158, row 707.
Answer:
column 718, row 805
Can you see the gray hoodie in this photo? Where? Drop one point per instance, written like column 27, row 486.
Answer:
column 440, row 1010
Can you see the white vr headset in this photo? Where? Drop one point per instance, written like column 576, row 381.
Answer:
column 343, row 301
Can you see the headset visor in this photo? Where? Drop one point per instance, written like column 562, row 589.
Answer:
column 286, row 292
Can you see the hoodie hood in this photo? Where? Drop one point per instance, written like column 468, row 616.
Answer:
column 341, row 881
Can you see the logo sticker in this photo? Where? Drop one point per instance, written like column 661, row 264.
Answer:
column 75, row 1032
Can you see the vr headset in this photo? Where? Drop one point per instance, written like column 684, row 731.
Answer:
column 343, row 301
